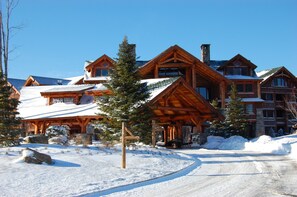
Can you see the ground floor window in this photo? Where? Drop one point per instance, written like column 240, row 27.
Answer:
column 249, row 109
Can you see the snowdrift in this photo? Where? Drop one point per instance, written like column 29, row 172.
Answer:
column 280, row 145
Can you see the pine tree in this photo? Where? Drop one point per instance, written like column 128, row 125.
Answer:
column 9, row 122
column 235, row 118
column 128, row 99
column 217, row 127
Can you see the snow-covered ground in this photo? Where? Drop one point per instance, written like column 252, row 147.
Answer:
column 80, row 171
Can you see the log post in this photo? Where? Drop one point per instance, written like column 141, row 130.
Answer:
column 123, row 146
column 154, row 133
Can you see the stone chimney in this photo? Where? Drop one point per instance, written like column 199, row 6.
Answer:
column 205, row 53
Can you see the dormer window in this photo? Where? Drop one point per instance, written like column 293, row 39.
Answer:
column 279, row 82
column 237, row 71
column 101, row 72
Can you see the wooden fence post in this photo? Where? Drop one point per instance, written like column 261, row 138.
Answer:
column 123, row 145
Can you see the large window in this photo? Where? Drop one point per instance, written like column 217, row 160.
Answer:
column 203, row 91
column 101, row 72
column 279, row 82
column 171, row 72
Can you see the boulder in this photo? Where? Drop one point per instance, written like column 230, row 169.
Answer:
column 32, row 156
column 39, row 139
column 61, row 140
column 85, row 139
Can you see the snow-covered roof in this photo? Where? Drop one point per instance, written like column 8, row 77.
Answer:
column 265, row 74
column 51, row 81
column 34, row 106
column 74, row 80
column 70, row 88
column 88, row 78
column 241, row 77
column 17, row 83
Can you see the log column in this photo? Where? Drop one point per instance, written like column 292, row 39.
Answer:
column 223, row 94
column 259, row 89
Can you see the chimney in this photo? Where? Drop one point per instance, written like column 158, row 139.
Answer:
column 205, row 53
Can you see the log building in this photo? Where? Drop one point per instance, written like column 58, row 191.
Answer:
column 181, row 87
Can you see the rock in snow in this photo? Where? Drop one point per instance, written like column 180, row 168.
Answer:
column 32, row 156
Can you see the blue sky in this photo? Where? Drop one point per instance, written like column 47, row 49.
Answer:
column 59, row 35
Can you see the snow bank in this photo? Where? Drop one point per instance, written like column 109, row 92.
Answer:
column 293, row 153
column 266, row 144
column 213, row 142
column 285, row 145
column 232, row 143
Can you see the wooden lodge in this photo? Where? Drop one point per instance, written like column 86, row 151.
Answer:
column 181, row 86
column 277, row 87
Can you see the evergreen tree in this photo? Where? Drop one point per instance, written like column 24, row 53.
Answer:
column 235, row 118
column 9, row 122
column 128, row 99
column 217, row 127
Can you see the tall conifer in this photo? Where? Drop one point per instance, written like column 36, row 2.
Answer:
column 9, row 122
column 235, row 117
column 128, row 99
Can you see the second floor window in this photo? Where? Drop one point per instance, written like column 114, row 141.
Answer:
column 267, row 96
column 237, row 71
column 101, row 72
column 171, row 72
column 244, row 87
column 279, row 82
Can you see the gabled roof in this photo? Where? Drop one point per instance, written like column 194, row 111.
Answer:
column 104, row 57
column 46, row 81
column 187, row 58
column 237, row 57
column 16, row 83
column 179, row 101
column 269, row 73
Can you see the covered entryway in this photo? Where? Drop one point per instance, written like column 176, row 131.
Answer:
column 179, row 106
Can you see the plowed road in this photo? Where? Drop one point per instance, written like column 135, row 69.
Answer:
column 229, row 173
